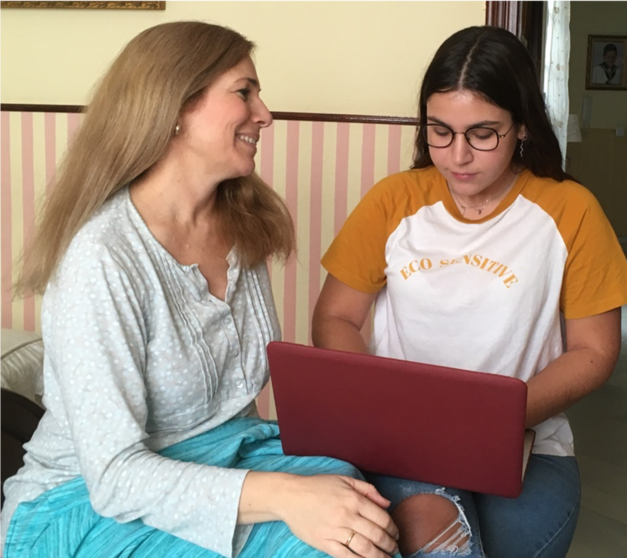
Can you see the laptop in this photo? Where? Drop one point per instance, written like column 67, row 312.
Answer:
column 445, row 426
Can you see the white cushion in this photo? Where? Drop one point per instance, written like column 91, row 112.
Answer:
column 22, row 363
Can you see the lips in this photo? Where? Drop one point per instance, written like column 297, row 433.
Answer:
column 463, row 176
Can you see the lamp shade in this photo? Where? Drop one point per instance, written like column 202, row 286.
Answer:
column 573, row 132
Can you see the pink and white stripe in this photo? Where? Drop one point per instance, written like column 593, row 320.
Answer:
column 6, row 248
column 321, row 169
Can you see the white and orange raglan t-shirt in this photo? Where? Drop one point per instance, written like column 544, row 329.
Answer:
column 483, row 295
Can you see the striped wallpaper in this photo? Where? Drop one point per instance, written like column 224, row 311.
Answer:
column 322, row 169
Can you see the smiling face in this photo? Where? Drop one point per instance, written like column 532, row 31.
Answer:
column 473, row 175
column 222, row 129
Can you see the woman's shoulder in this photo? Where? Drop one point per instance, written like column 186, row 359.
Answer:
column 558, row 194
column 412, row 177
column 424, row 186
column 398, row 196
column 107, row 238
column 108, row 216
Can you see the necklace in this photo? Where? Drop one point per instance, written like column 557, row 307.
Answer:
column 478, row 208
column 482, row 205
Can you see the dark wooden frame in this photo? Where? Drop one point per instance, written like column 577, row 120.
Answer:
column 525, row 20
column 592, row 39
column 86, row 5
column 507, row 15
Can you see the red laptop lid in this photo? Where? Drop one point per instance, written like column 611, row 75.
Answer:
column 422, row 422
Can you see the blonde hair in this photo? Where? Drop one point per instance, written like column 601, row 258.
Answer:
column 126, row 130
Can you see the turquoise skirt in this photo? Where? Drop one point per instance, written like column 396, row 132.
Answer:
column 61, row 522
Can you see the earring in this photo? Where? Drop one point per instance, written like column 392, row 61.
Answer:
column 522, row 141
column 177, row 129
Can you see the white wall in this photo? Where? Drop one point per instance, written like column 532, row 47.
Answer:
column 338, row 57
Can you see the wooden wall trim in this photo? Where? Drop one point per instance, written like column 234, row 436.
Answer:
column 13, row 107
column 353, row 118
column 506, row 15
column 300, row 116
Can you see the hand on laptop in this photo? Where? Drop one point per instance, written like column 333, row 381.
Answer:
column 341, row 516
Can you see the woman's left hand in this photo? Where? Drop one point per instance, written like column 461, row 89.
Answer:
column 339, row 515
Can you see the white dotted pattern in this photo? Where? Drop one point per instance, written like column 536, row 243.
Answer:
column 139, row 356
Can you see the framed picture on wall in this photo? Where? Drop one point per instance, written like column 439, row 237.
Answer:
column 607, row 62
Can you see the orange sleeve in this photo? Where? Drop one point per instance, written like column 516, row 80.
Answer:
column 595, row 276
column 357, row 255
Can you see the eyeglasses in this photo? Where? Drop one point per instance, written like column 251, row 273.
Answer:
column 479, row 137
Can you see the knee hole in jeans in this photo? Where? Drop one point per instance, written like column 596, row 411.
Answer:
column 431, row 523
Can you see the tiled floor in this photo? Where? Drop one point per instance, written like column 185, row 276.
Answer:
column 600, row 426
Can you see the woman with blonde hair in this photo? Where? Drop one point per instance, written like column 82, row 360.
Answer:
column 157, row 309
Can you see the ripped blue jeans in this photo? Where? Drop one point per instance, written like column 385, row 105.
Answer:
column 540, row 523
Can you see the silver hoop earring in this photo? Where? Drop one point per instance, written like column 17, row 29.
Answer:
column 177, row 129
column 522, row 148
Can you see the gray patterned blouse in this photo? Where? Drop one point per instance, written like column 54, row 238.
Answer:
column 139, row 356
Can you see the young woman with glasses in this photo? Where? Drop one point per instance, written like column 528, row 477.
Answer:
column 485, row 256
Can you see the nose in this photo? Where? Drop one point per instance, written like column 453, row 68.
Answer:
column 261, row 115
column 461, row 152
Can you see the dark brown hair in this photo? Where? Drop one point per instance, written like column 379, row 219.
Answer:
column 494, row 64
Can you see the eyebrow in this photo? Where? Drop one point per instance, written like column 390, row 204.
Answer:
column 475, row 125
column 251, row 81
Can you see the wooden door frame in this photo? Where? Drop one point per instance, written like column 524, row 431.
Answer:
column 507, row 15
column 525, row 19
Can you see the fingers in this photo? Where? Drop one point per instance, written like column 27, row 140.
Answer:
column 369, row 491
column 378, row 517
column 379, row 537
column 364, row 546
column 375, row 514
column 325, row 510
column 373, row 527
column 358, row 545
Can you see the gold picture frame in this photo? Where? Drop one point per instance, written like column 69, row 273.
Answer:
column 86, row 5
column 598, row 74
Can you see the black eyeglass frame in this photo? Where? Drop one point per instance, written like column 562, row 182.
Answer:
column 453, row 134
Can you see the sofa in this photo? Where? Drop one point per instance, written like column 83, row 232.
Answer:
column 22, row 389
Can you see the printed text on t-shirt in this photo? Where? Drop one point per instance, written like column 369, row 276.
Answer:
column 474, row 260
